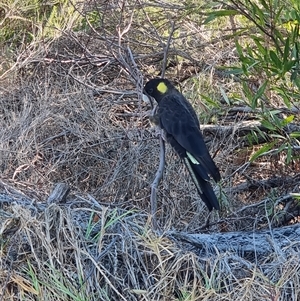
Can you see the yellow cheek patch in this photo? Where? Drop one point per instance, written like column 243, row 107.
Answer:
column 162, row 88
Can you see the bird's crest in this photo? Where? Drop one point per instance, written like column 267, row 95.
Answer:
column 162, row 88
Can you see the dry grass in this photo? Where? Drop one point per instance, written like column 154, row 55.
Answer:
column 73, row 113
column 85, row 251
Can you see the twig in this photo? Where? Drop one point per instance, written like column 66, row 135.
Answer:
column 158, row 177
column 166, row 50
column 263, row 202
column 159, row 173
column 247, row 109
column 252, row 183
column 246, row 125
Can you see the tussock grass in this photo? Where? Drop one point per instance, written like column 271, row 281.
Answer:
column 85, row 251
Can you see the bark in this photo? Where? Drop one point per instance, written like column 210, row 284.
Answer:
column 59, row 193
column 254, row 243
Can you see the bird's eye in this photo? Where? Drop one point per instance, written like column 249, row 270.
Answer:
column 150, row 91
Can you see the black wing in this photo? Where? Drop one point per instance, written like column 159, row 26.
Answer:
column 179, row 120
column 198, row 175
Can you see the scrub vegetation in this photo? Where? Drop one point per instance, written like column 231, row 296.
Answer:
column 72, row 112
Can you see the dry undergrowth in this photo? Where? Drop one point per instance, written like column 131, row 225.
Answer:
column 80, row 120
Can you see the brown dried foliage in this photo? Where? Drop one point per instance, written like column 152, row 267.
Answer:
column 73, row 113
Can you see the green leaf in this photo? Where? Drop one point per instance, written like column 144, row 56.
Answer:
column 296, row 32
column 210, row 101
column 262, row 151
column 295, row 134
column 283, row 93
column 239, row 49
column 294, row 77
column 287, row 120
column 276, row 120
column 275, row 59
column 234, row 71
column 278, row 16
column 258, row 94
column 220, row 13
column 295, row 54
column 289, row 65
column 277, row 136
column 281, row 148
column 295, row 195
column 252, row 136
column 279, row 38
column 224, row 96
column 258, row 12
column 274, row 112
column 286, row 51
column 267, row 124
column 262, row 49
column 261, row 133
column 248, row 93
column 264, row 4
column 296, row 81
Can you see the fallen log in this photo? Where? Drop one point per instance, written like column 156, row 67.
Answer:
column 249, row 243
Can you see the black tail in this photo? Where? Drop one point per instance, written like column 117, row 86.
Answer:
column 204, row 187
column 210, row 166
column 199, row 174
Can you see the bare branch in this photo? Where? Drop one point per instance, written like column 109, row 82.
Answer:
column 158, row 177
column 245, row 244
column 166, row 50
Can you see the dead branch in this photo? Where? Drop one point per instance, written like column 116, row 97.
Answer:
column 246, row 244
column 166, row 50
column 254, row 184
column 159, row 173
column 158, row 177
column 239, row 127
column 246, row 109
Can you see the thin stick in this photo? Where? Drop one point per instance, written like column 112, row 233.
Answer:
column 154, row 185
column 166, row 50
column 159, row 173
